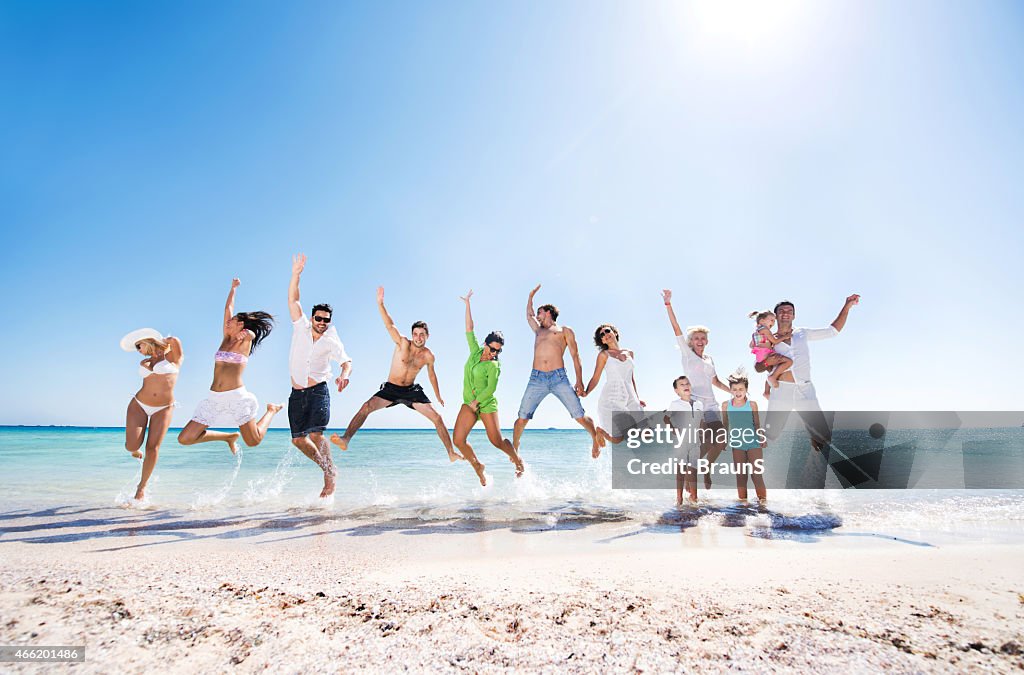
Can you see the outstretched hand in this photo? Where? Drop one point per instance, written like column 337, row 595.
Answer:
column 235, row 283
column 534, row 291
column 465, row 298
column 298, row 263
column 380, row 294
column 666, row 296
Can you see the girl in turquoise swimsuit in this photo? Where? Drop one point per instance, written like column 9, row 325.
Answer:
column 741, row 418
column 479, row 382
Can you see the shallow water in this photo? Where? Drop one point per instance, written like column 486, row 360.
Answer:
column 395, row 477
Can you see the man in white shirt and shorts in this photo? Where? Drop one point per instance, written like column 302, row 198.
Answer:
column 795, row 390
column 315, row 343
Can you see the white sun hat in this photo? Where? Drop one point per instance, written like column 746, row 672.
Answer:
column 128, row 341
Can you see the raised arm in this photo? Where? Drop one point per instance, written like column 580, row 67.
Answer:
column 721, row 385
column 531, row 316
column 666, row 295
column 229, row 306
column 294, row 308
column 433, row 379
column 574, row 352
column 174, row 351
column 469, row 312
column 840, row 321
column 602, row 358
column 389, row 323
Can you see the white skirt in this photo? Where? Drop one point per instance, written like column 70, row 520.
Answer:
column 227, row 408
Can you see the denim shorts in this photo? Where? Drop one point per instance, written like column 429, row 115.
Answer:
column 552, row 382
column 309, row 410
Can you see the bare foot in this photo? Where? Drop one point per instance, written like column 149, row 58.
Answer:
column 454, row 456
column 520, row 467
column 603, row 437
column 595, row 450
column 707, row 481
column 339, row 441
column 232, row 442
column 773, row 381
column 140, row 494
column 137, row 454
column 479, row 468
column 274, row 408
column 330, row 479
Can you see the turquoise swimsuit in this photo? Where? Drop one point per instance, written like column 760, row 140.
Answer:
column 742, row 432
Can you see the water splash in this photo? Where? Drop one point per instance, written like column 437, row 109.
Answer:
column 205, row 501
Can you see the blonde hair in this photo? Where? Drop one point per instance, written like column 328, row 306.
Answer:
column 757, row 315
column 153, row 342
column 695, row 329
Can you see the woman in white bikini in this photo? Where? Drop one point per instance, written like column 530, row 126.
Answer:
column 619, row 392
column 229, row 404
column 152, row 406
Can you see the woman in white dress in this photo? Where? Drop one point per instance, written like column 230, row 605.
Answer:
column 619, row 392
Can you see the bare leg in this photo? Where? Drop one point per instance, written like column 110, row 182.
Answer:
column 739, row 460
column 596, row 438
column 490, row 421
column 679, row 487
column 134, row 428
column 374, row 404
column 691, row 484
column 463, row 423
column 711, row 451
column 779, row 365
column 428, row 411
column 757, row 478
column 194, row 432
column 517, row 432
column 315, row 447
column 254, row 432
column 159, row 423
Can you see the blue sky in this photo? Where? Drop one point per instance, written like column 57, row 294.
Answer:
column 736, row 154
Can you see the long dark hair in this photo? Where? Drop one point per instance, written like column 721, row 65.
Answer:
column 260, row 323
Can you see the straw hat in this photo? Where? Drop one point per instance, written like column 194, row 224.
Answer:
column 128, row 341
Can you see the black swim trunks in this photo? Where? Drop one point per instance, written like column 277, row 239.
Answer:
column 407, row 395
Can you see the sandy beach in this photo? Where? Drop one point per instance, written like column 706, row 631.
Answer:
column 309, row 592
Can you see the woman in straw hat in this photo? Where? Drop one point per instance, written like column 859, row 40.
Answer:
column 151, row 408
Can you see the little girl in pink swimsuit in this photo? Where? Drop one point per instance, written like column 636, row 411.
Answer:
column 762, row 346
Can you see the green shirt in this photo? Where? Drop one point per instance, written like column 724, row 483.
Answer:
column 480, row 378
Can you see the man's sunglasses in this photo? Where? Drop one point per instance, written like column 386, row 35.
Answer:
column 322, row 319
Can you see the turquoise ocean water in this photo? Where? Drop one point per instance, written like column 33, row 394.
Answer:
column 389, row 475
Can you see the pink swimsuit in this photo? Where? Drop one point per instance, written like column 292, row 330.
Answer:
column 230, row 357
column 761, row 348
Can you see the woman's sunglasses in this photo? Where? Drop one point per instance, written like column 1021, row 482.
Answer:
column 493, row 350
column 607, row 331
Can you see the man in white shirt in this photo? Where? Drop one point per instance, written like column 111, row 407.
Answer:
column 795, row 390
column 315, row 343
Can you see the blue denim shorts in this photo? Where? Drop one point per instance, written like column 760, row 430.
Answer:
column 552, row 382
column 309, row 410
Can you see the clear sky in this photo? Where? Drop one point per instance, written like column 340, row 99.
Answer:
column 738, row 153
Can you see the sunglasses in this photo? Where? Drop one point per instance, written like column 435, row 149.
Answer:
column 607, row 331
column 493, row 350
column 322, row 319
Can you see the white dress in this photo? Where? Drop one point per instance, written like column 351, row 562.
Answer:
column 617, row 394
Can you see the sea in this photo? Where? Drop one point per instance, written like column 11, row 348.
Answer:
column 390, row 476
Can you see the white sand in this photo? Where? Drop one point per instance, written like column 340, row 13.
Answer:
column 312, row 593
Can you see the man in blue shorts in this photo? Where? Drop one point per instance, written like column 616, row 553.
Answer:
column 549, row 377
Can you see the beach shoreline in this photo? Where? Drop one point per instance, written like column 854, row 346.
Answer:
column 341, row 594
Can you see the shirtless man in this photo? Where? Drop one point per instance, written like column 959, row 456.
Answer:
column 548, row 376
column 409, row 358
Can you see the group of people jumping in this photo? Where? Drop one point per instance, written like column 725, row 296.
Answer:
column 315, row 344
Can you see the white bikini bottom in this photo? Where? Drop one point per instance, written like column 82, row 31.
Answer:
column 151, row 410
